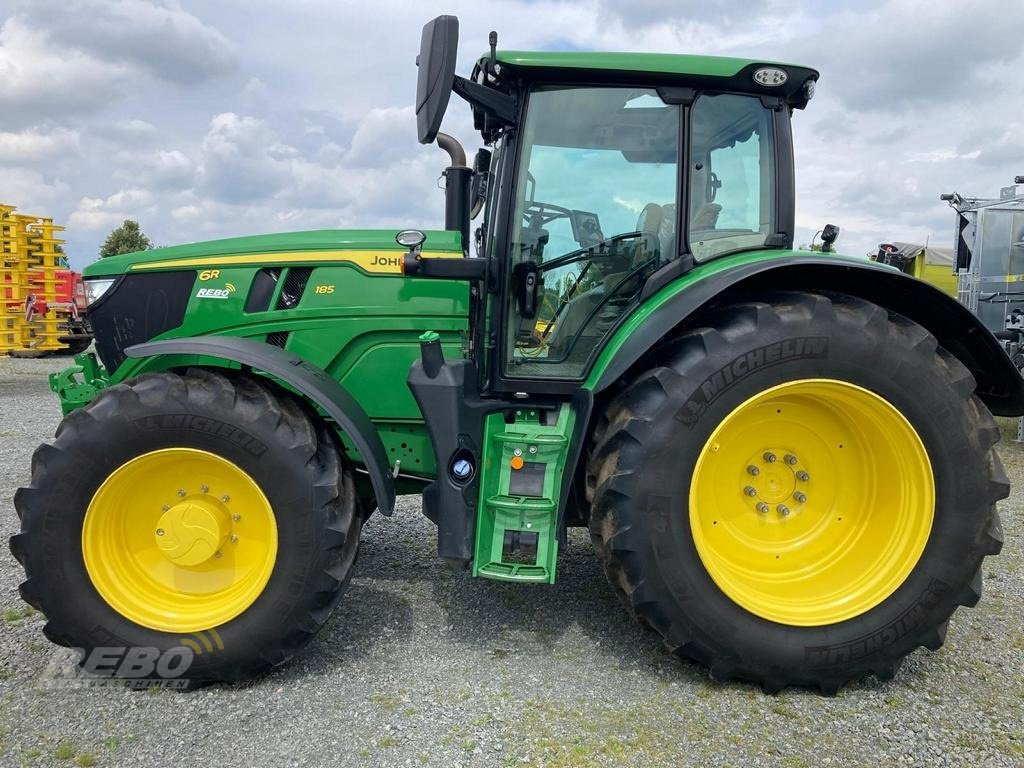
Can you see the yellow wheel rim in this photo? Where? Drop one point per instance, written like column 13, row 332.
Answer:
column 812, row 502
column 179, row 540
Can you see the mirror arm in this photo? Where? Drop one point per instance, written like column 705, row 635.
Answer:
column 500, row 106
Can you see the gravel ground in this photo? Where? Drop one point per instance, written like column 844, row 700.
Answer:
column 420, row 665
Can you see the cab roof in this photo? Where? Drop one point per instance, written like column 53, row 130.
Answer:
column 660, row 63
column 706, row 72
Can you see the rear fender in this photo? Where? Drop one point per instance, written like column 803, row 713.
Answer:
column 999, row 384
column 314, row 383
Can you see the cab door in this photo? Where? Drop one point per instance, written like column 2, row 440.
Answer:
column 595, row 211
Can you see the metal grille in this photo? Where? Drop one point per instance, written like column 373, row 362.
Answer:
column 294, row 285
column 278, row 338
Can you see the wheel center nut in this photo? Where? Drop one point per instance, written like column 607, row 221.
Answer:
column 191, row 532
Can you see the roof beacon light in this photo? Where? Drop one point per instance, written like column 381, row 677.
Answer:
column 770, row 76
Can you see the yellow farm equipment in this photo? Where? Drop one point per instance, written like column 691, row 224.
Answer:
column 33, row 279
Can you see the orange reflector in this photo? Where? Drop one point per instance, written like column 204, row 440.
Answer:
column 517, row 462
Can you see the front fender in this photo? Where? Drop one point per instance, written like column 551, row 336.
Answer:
column 999, row 384
column 312, row 382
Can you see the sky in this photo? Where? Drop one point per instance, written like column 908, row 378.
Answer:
column 212, row 119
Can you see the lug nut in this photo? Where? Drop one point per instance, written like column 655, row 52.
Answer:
column 218, row 554
column 782, row 509
column 750, row 490
column 236, row 517
column 159, row 531
column 165, row 507
column 800, row 497
column 181, row 492
column 753, row 470
column 762, row 508
column 770, row 457
column 802, row 476
column 789, row 458
column 234, row 539
column 225, row 498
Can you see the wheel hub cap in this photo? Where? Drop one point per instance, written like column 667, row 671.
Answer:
column 191, row 532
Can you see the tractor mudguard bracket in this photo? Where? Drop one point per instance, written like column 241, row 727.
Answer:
column 311, row 381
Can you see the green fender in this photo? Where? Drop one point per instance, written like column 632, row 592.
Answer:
column 312, row 382
column 999, row 384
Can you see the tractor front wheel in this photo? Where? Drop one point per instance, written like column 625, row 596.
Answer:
column 188, row 511
column 800, row 494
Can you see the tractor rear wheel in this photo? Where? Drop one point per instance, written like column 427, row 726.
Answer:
column 200, row 511
column 801, row 493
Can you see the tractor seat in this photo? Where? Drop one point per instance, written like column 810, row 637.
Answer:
column 648, row 224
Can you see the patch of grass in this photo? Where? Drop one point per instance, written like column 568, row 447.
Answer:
column 17, row 615
column 968, row 741
column 895, row 702
column 1012, row 744
column 388, row 741
column 86, row 760
column 783, row 711
column 388, row 702
column 64, row 751
column 468, row 745
column 111, row 743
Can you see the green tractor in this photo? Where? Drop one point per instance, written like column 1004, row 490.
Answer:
column 785, row 459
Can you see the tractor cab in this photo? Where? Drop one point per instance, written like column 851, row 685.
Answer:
column 611, row 175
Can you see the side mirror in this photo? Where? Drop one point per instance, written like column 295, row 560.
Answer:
column 828, row 236
column 438, row 46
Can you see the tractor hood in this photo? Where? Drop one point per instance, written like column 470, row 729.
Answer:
column 178, row 256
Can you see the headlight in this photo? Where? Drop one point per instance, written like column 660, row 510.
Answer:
column 96, row 288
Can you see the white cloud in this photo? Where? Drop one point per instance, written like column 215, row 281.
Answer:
column 37, row 145
column 161, row 38
column 160, row 169
column 132, row 131
column 96, row 214
column 243, row 159
column 39, row 81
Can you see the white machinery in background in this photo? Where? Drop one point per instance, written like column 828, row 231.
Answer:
column 989, row 264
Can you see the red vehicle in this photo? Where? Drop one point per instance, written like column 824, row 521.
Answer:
column 69, row 305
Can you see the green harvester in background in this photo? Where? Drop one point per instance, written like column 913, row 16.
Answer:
column 785, row 459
